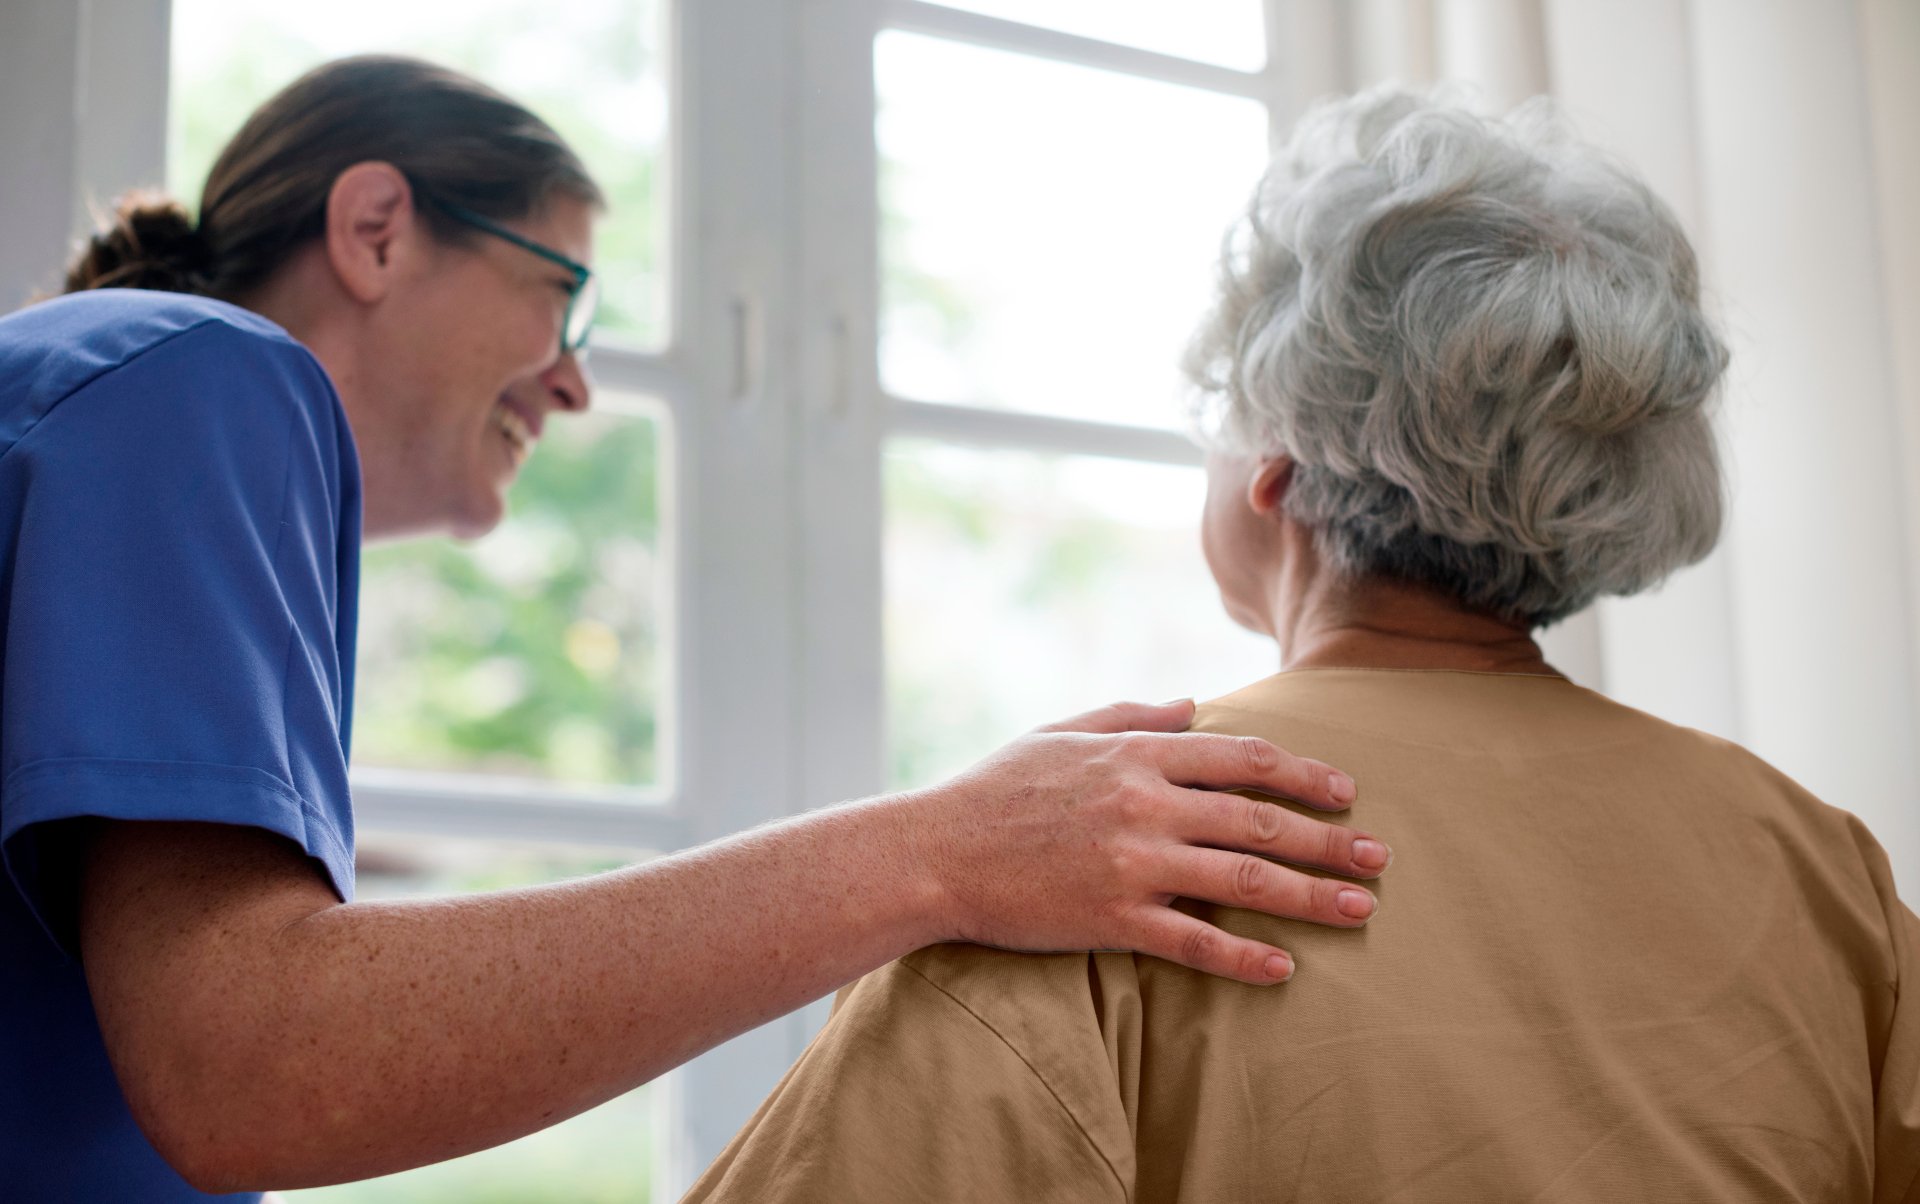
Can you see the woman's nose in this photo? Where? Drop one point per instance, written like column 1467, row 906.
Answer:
column 568, row 383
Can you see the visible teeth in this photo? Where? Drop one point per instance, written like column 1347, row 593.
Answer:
column 513, row 427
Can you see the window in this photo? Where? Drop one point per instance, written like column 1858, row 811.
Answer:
column 1045, row 249
column 536, row 653
column 887, row 463
column 1227, row 32
column 1023, row 587
column 1047, row 245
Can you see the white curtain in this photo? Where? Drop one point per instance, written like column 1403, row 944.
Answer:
column 1786, row 134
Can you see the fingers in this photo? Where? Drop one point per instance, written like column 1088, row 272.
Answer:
column 1237, row 880
column 1129, row 717
column 1229, row 821
column 1247, row 762
column 1178, row 937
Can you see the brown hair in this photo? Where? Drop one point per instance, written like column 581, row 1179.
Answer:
column 453, row 137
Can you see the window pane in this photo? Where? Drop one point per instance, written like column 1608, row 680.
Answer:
column 1023, row 588
column 604, row 1156
column 1227, row 32
column 1049, row 244
column 593, row 68
column 538, row 650
column 390, row 865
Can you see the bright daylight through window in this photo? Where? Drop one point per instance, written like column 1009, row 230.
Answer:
column 1048, row 245
column 1046, row 248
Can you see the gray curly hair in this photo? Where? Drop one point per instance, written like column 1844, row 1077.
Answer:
column 1481, row 343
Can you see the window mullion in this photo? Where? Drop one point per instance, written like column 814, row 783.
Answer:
column 736, row 491
column 839, row 421
column 980, row 426
column 998, row 33
column 839, row 412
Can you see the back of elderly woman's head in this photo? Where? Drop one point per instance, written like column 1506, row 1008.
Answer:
column 1481, row 343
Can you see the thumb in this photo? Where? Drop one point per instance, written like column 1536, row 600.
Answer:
column 1130, row 717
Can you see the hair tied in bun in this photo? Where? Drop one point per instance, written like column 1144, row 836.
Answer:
column 151, row 243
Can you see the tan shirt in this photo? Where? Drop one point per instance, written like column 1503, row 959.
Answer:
column 1615, row 960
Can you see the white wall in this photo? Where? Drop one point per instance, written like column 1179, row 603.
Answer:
column 82, row 98
column 39, row 47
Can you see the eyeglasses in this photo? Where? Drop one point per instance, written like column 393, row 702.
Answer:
column 582, row 302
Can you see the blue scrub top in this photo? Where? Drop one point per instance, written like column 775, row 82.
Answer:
column 179, row 564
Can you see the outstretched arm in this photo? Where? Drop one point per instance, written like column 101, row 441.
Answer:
column 267, row 1035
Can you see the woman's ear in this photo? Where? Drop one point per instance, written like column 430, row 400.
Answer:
column 370, row 216
column 1267, row 488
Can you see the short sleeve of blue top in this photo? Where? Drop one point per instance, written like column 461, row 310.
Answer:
column 179, row 550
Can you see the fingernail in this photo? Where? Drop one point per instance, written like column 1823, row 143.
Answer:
column 1342, row 789
column 1279, row 968
column 1357, row 904
column 1174, row 702
column 1371, row 854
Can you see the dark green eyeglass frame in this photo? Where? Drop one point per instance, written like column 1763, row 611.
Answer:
column 582, row 304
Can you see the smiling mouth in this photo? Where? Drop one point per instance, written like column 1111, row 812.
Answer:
column 515, row 429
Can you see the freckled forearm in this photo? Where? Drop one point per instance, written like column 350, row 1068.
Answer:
column 365, row 1038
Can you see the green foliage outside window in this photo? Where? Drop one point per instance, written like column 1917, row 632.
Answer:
column 534, row 652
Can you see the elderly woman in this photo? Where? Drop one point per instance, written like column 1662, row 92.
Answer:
column 1456, row 386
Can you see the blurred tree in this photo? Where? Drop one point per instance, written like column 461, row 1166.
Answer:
column 537, row 650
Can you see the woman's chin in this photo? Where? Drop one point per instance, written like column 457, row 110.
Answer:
column 484, row 510
column 485, row 504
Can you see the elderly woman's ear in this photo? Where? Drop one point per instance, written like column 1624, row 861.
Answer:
column 1267, row 488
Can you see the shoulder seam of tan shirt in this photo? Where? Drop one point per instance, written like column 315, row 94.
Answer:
column 1119, row 1180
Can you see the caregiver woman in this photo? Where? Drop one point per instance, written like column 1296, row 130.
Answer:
column 377, row 315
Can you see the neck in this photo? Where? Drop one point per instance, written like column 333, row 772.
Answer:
column 304, row 300
column 307, row 302
column 1374, row 623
